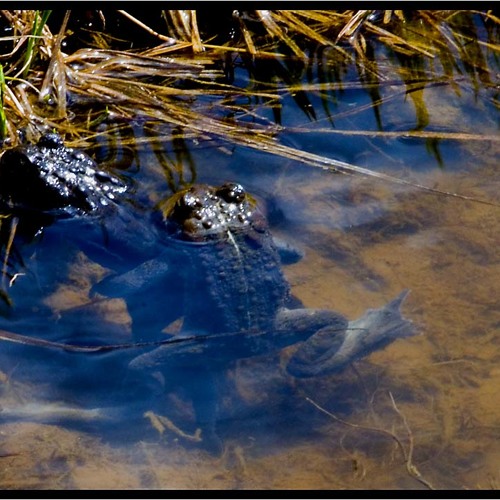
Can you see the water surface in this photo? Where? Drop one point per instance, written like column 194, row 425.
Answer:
column 423, row 412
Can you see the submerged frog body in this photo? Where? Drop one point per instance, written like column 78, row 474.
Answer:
column 222, row 264
column 223, row 268
column 235, row 295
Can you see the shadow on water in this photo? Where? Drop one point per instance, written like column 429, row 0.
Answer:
column 418, row 413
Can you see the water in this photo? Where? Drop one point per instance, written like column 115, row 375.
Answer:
column 423, row 412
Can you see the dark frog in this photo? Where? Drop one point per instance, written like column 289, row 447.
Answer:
column 221, row 271
column 50, row 178
column 47, row 182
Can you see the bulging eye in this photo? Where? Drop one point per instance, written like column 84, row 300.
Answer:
column 52, row 141
column 190, row 201
column 231, row 192
column 185, row 205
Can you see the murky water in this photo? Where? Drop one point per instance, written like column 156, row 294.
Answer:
column 423, row 412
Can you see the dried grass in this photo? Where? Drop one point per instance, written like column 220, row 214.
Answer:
column 119, row 86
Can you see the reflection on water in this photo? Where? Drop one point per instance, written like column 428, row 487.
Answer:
column 423, row 412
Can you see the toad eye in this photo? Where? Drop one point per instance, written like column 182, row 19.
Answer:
column 231, row 192
column 51, row 141
column 190, row 201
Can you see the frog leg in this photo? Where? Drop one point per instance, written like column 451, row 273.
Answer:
column 150, row 303
column 204, row 392
column 297, row 325
column 289, row 327
column 150, row 271
column 325, row 354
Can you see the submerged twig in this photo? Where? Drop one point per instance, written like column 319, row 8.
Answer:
column 8, row 248
column 408, row 455
column 358, row 426
column 410, row 466
column 160, row 423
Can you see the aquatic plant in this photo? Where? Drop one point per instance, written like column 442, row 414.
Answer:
column 3, row 117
